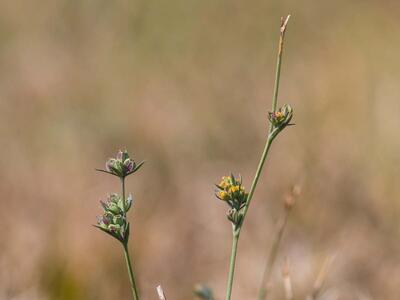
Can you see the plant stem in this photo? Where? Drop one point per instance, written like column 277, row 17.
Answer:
column 271, row 136
column 236, row 231
column 279, row 62
column 258, row 172
column 126, row 251
column 274, row 104
column 235, row 241
column 123, row 194
column 130, row 272
column 272, row 257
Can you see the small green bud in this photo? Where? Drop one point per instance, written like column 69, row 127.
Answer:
column 282, row 117
column 122, row 155
column 235, row 216
column 113, row 221
column 129, row 202
column 122, row 165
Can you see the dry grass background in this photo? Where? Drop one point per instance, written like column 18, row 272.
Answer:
column 187, row 85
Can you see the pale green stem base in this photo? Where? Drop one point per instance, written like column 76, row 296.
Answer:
column 235, row 241
column 135, row 295
column 236, row 231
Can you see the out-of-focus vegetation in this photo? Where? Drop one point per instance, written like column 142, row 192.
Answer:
column 187, row 85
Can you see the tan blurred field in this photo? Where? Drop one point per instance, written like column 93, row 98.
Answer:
column 186, row 85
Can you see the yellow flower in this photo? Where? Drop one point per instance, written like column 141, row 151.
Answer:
column 234, row 188
column 222, row 195
column 225, row 182
column 230, row 189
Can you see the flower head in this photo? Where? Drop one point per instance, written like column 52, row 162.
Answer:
column 122, row 165
column 113, row 221
column 231, row 191
column 282, row 117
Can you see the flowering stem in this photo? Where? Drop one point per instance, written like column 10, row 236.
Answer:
column 271, row 135
column 130, row 272
column 126, row 251
column 123, row 194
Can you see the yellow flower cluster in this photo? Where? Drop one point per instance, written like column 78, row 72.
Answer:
column 230, row 188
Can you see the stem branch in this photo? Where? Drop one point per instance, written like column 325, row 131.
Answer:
column 271, row 136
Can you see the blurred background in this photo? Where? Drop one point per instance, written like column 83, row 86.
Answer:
column 186, row 85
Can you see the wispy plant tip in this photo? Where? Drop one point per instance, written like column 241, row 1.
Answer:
column 284, row 22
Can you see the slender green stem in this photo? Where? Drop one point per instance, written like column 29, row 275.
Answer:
column 235, row 241
column 272, row 257
column 130, row 272
column 126, row 251
column 279, row 62
column 236, row 231
column 271, row 136
column 123, row 194
column 258, row 172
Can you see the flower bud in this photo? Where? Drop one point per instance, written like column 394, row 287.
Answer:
column 236, row 217
column 129, row 165
column 129, row 202
column 113, row 221
column 282, row 117
column 122, row 165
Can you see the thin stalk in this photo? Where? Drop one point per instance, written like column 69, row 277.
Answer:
column 126, row 251
column 130, row 272
column 123, row 194
column 274, row 104
column 271, row 136
column 232, row 264
column 279, row 62
column 262, row 294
